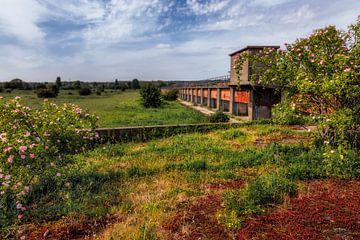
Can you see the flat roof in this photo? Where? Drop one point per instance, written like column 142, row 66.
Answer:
column 253, row 47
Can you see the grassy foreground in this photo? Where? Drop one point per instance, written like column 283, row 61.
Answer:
column 240, row 183
column 117, row 108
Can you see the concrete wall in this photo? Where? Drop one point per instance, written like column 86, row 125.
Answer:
column 144, row 133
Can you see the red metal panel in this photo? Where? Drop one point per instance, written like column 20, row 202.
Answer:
column 213, row 93
column 242, row 96
column 199, row 92
column 225, row 94
column 206, row 93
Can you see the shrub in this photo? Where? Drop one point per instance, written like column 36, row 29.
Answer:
column 285, row 113
column 37, row 144
column 85, row 91
column 218, row 117
column 170, row 95
column 47, row 91
column 1, row 89
column 150, row 96
column 265, row 191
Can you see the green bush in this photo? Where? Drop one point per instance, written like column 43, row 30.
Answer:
column 150, row 96
column 170, row 95
column 37, row 144
column 85, row 91
column 264, row 192
column 285, row 114
column 219, row 117
column 47, row 91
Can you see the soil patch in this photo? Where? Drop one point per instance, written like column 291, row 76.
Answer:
column 225, row 185
column 329, row 209
column 197, row 221
column 82, row 228
column 264, row 141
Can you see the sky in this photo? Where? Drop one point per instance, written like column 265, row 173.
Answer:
column 103, row 40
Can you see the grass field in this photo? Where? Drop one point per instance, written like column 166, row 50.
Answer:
column 116, row 109
column 190, row 186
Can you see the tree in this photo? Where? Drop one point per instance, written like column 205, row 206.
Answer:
column 15, row 84
column 47, row 91
column 84, row 91
column 135, row 84
column 321, row 76
column 76, row 85
column 58, row 82
column 116, row 85
column 150, row 96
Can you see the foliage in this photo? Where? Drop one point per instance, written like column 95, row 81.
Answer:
column 285, row 115
column 265, row 191
column 35, row 144
column 58, row 82
column 84, row 91
column 47, row 91
column 170, row 95
column 112, row 108
column 135, row 84
column 219, row 117
column 150, row 96
column 321, row 74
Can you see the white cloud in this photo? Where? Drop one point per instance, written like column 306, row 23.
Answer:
column 210, row 7
column 163, row 46
column 19, row 19
column 125, row 39
column 87, row 11
column 268, row 3
column 125, row 20
column 304, row 13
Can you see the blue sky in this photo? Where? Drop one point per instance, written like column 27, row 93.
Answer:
column 100, row 40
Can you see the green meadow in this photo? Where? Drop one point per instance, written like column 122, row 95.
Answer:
column 118, row 109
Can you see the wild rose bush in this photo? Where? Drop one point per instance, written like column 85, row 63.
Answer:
column 34, row 144
column 320, row 76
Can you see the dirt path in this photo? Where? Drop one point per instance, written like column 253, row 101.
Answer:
column 205, row 111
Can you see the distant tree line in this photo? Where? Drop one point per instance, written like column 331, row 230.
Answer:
column 48, row 90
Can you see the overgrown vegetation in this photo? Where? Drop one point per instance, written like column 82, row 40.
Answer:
column 151, row 181
column 112, row 108
column 319, row 76
column 170, row 95
column 84, row 91
column 219, row 117
column 150, row 96
column 37, row 144
column 47, row 91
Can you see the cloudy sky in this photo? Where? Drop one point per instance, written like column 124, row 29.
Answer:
column 100, row 40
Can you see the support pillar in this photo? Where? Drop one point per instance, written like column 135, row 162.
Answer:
column 202, row 97
column 218, row 99
column 251, row 106
column 209, row 98
column 231, row 105
column 192, row 95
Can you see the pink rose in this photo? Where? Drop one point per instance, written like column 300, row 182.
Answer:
column 22, row 148
column 10, row 159
column 22, row 156
column 32, row 156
